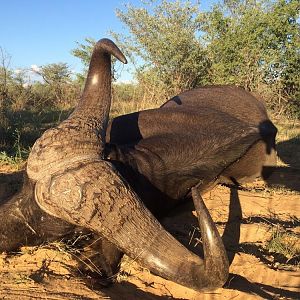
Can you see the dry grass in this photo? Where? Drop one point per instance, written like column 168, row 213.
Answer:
column 134, row 100
column 285, row 243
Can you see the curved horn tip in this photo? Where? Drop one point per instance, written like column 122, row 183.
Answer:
column 109, row 46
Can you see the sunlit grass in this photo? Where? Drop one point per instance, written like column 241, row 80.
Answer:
column 285, row 243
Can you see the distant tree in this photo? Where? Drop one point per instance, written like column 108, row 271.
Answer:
column 59, row 83
column 5, row 77
column 20, row 92
column 14, row 87
column 57, row 73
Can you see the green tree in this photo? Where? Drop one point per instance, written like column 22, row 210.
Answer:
column 57, row 73
column 83, row 51
column 174, row 47
column 5, row 77
column 58, row 83
column 255, row 44
column 164, row 46
column 19, row 90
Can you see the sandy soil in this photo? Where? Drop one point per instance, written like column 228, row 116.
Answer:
column 247, row 219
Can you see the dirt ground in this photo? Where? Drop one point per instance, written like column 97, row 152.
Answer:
column 248, row 219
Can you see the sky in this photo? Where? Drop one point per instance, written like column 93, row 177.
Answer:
column 39, row 32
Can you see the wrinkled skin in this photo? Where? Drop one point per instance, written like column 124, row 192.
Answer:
column 75, row 181
column 214, row 134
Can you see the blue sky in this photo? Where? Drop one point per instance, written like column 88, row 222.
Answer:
column 38, row 32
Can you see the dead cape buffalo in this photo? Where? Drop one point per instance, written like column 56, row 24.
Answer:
column 153, row 160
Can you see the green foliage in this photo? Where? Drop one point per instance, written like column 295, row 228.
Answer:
column 284, row 243
column 174, row 46
column 10, row 160
column 28, row 108
column 57, row 73
column 58, row 84
column 165, row 44
column 23, row 127
column 256, row 44
column 5, row 78
column 84, row 51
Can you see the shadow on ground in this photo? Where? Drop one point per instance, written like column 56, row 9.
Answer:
column 289, row 152
column 264, row 291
